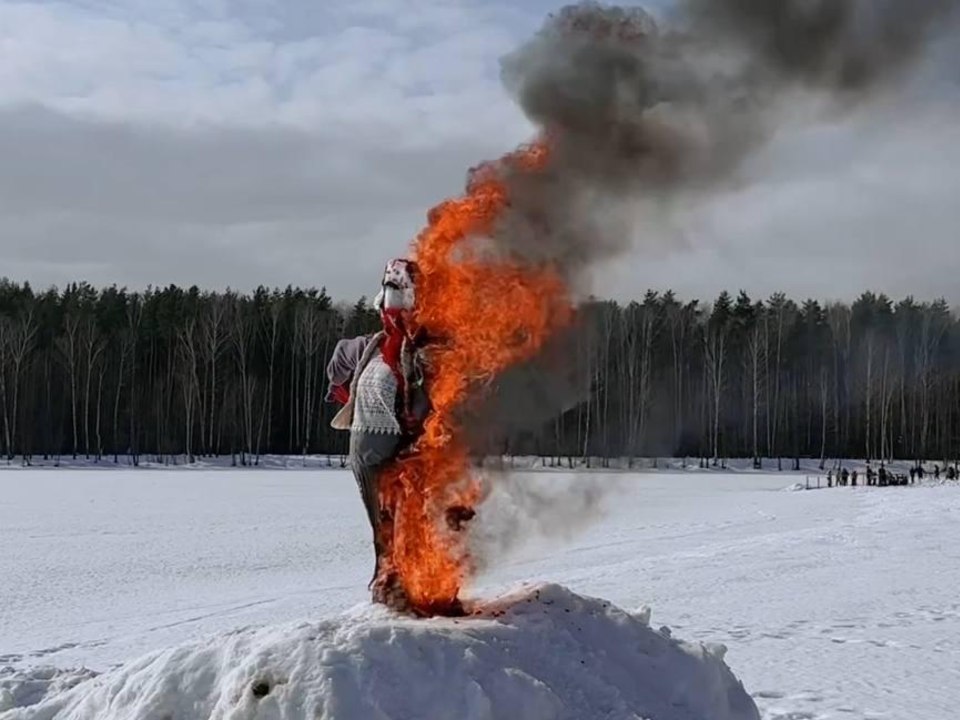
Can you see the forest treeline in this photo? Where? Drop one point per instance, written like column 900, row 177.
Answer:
column 101, row 373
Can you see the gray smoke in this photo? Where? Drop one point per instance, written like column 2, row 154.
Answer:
column 538, row 507
column 636, row 112
column 640, row 115
column 531, row 394
column 843, row 46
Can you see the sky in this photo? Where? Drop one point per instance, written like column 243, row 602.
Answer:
column 234, row 143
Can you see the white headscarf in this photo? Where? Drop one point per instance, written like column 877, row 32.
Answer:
column 397, row 287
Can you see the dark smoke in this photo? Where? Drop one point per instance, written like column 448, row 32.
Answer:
column 634, row 110
column 850, row 46
column 638, row 114
column 531, row 394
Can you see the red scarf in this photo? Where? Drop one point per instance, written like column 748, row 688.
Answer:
column 391, row 345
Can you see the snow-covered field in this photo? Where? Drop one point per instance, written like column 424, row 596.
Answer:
column 836, row 603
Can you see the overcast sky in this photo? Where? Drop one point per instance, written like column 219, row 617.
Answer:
column 241, row 142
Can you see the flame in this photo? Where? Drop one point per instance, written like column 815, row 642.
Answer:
column 487, row 314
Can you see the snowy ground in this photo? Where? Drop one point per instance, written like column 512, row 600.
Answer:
column 540, row 653
column 834, row 604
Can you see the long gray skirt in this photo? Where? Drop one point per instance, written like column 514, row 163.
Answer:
column 370, row 454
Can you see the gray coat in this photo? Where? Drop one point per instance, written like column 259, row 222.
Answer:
column 350, row 359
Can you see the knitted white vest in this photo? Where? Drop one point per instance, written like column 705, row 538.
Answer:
column 343, row 420
column 375, row 409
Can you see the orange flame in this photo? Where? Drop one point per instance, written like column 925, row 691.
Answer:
column 488, row 315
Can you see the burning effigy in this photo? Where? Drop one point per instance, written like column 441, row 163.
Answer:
column 482, row 315
column 630, row 115
column 454, row 319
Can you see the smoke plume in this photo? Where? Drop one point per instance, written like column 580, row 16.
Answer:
column 537, row 508
column 638, row 114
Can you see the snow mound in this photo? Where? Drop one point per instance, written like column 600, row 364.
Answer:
column 22, row 688
column 541, row 653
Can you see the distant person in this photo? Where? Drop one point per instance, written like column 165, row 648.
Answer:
column 846, row 477
column 830, row 479
column 936, row 472
column 882, row 476
column 853, row 477
column 913, row 475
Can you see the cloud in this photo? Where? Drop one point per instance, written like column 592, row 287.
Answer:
column 219, row 206
column 191, row 144
column 827, row 212
column 216, row 143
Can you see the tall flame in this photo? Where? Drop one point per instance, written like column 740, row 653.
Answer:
column 487, row 315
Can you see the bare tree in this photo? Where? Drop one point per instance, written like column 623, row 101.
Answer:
column 5, row 333
column 838, row 320
column 214, row 337
column 126, row 362
column 69, row 346
column 188, row 356
column 272, row 330
column 756, row 369
column 242, row 337
column 934, row 321
column 679, row 319
column 649, row 328
column 824, row 412
column 779, row 314
column 715, row 351
column 869, row 353
column 311, row 336
column 93, row 344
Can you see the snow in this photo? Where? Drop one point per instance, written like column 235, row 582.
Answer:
column 543, row 654
column 838, row 603
column 809, row 467
column 25, row 688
